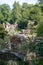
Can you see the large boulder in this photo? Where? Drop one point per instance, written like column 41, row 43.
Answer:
column 19, row 38
column 17, row 41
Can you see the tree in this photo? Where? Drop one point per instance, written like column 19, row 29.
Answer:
column 35, row 14
column 40, row 1
column 16, row 12
column 25, row 12
column 22, row 24
column 20, row 15
column 40, row 27
column 1, row 18
column 4, row 13
column 25, row 5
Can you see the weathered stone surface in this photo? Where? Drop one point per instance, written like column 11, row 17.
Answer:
column 18, row 38
column 8, row 55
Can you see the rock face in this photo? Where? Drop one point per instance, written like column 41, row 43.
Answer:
column 5, row 54
column 10, row 28
column 19, row 38
column 17, row 41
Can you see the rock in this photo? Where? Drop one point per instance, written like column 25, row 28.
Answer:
column 19, row 38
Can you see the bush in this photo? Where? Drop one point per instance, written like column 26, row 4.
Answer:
column 40, row 27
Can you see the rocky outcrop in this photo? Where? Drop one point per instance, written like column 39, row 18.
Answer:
column 5, row 54
column 19, row 38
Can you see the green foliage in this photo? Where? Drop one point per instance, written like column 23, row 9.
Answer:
column 4, row 13
column 40, row 27
column 21, row 14
column 2, row 31
column 2, row 62
column 35, row 14
column 40, row 48
column 16, row 12
column 40, row 1
column 1, row 18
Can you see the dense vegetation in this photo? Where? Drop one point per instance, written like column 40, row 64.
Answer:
column 21, row 14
